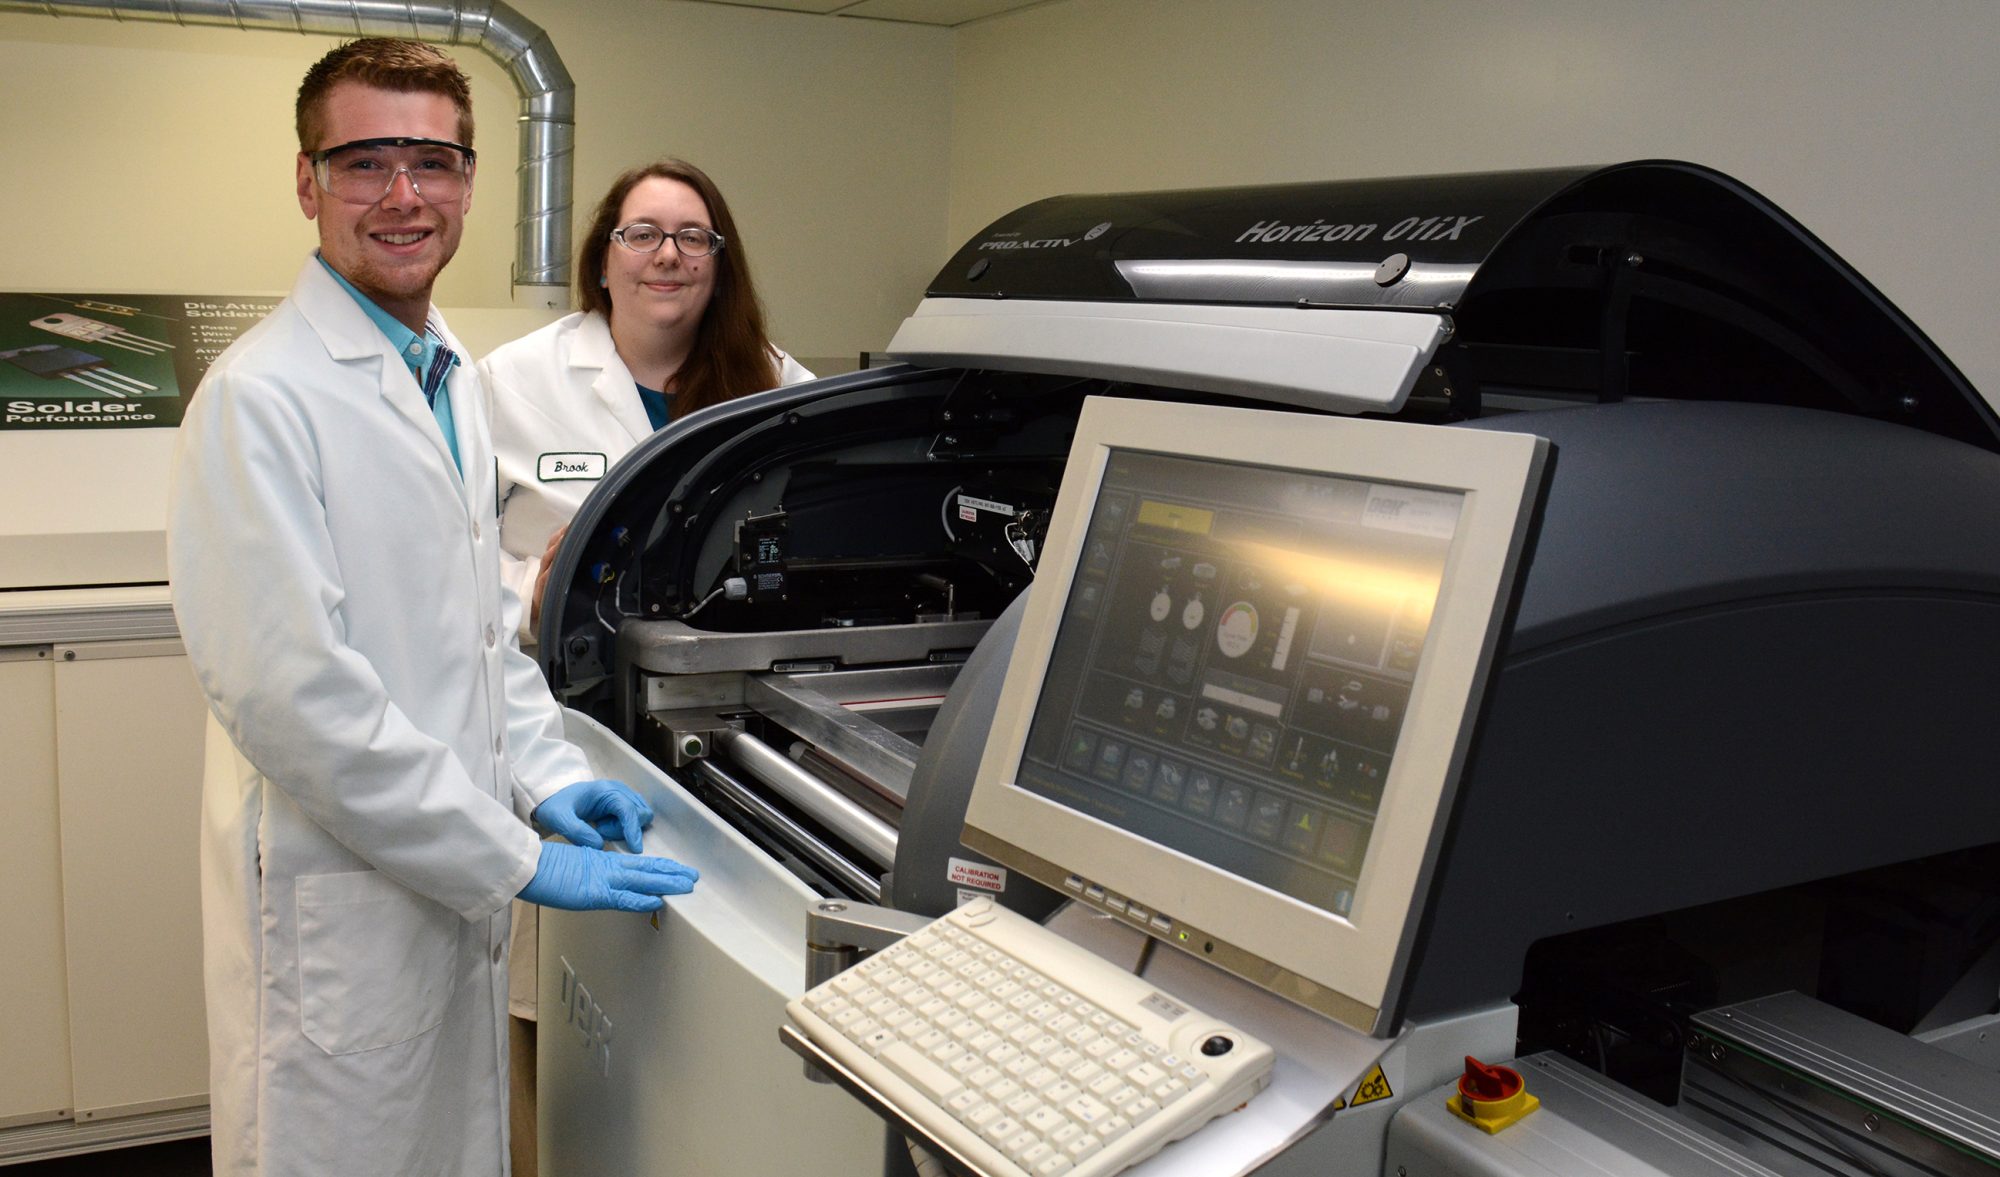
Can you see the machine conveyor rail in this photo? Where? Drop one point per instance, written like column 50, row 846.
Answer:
column 846, row 715
column 816, row 853
column 856, row 826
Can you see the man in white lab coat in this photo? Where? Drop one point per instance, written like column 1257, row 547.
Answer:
column 375, row 733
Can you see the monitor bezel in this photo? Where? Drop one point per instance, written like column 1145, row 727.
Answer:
column 1347, row 968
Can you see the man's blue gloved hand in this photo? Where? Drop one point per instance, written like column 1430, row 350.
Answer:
column 578, row 879
column 588, row 812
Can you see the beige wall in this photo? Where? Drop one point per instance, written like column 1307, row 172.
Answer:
column 149, row 157
column 1875, row 122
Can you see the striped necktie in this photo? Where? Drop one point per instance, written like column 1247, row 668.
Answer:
column 443, row 360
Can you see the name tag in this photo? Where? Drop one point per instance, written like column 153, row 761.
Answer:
column 570, row 467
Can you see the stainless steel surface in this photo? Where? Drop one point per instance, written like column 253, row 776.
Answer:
column 804, row 842
column 548, row 98
column 40, row 627
column 1801, row 1076
column 832, row 712
column 66, row 1138
column 861, row 829
column 1586, row 1124
column 690, row 735
column 674, row 647
column 676, row 692
column 839, row 923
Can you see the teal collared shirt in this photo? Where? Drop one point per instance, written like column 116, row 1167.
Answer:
column 421, row 353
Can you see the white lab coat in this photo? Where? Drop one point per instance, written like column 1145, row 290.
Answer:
column 561, row 390
column 375, row 740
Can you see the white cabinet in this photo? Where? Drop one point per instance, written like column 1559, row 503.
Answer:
column 102, row 1026
column 34, row 1002
column 129, row 729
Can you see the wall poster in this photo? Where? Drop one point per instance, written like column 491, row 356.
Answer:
column 111, row 361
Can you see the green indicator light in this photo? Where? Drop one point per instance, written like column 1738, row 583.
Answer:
column 1183, row 937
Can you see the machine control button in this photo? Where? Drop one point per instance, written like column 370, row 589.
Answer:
column 1074, row 883
column 1095, row 892
column 1217, row 1046
column 1162, row 924
column 1115, row 902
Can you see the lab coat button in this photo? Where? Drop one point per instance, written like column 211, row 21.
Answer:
column 492, row 639
column 499, row 950
column 475, row 531
column 499, row 745
column 416, row 348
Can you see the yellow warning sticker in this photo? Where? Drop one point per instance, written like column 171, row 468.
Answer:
column 1338, row 1103
column 1374, row 1086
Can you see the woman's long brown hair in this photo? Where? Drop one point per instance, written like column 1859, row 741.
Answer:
column 731, row 356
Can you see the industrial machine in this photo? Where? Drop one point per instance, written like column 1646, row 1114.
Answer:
column 1712, row 866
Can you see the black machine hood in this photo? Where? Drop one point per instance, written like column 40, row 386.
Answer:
column 1653, row 281
column 1589, row 271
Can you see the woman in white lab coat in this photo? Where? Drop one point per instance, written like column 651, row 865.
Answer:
column 670, row 324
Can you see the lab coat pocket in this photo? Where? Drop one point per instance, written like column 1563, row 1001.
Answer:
column 377, row 961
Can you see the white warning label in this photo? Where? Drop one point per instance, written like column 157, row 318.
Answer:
column 978, row 874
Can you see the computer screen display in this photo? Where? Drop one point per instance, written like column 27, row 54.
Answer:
column 1246, row 679
column 1233, row 664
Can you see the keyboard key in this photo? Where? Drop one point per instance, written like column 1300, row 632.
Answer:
column 1086, row 1111
column 982, row 1115
column 1084, row 1145
column 1140, row 1110
column 1020, row 1142
column 1123, row 1095
column 1044, row 1119
column 1123, row 1060
column 1065, row 1132
column 1146, row 1075
column 1168, row 1091
column 920, row 1072
column 1000, row 1129
column 1111, row 1128
column 1002, row 1090
column 1021, row 1104
column 1054, row 1166
column 983, row 1075
column 1084, row 1072
column 1061, row 1092
column 1034, row 1154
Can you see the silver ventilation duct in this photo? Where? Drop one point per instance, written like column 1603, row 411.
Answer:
column 548, row 97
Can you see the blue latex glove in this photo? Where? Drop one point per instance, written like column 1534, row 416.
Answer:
column 578, row 879
column 588, row 812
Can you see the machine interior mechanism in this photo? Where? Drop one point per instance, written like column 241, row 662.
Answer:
column 1722, row 863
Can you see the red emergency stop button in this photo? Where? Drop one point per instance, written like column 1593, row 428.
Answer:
column 1490, row 1097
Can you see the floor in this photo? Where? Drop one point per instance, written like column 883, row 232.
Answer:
column 178, row 1158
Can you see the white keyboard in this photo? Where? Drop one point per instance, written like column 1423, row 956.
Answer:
column 1026, row 1053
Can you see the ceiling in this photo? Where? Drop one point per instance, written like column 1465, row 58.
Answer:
column 949, row 13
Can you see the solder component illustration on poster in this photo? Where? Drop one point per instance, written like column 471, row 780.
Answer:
column 111, row 361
